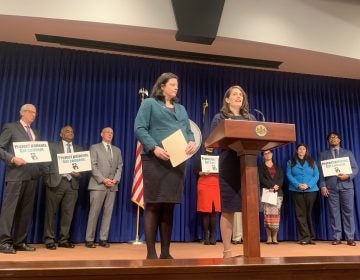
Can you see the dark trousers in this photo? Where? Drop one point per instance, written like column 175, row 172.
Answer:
column 16, row 211
column 62, row 197
column 304, row 204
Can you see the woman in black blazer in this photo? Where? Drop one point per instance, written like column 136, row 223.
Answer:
column 271, row 177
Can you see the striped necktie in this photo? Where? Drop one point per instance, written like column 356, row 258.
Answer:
column 28, row 132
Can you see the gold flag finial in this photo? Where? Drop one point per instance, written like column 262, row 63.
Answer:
column 143, row 92
column 205, row 105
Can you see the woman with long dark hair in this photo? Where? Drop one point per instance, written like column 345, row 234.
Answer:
column 303, row 174
column 157, row 118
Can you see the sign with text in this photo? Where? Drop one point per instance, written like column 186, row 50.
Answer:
column 335, row 166
column 32, row 151
column 209, row 164
column 269, row 197
column 74, row 162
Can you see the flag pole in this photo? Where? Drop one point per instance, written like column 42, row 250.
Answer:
column 137, row 241
column 138, row 181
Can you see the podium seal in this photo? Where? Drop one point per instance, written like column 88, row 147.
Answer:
column 261, row 130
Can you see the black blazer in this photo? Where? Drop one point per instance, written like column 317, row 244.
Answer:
column 267, row 182
column 15, row 132
column 52, row 178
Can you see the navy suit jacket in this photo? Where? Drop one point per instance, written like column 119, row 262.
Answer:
column 15, row 132
column 332, row 181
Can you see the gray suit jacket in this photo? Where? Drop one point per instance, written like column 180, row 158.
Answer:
column 52, row 178
column 15, row 132
column 104, row 167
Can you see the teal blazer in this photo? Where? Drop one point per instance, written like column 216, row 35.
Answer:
column 154, row 122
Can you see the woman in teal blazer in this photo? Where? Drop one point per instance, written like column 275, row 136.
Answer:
column 157, row 118
column 303, row 174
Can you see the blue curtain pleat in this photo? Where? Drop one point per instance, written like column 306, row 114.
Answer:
column 90, row 90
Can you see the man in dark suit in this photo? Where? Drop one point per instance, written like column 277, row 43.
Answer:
column 106, row 164
column 21, row 182
column 340, row 191
column 61, row 192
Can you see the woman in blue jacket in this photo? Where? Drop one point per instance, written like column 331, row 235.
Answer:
column 303, row 174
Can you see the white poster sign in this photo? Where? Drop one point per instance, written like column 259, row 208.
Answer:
column 269, row 197
column 32, row 151
column 335, row 166
column 74, row 162
column 209, row 164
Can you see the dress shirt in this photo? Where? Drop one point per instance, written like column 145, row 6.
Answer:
column 25, row 127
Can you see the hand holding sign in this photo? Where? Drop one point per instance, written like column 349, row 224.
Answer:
column 74, row 163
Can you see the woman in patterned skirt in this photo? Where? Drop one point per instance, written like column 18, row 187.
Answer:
column 271, row 177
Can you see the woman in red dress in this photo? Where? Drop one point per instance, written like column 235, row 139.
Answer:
column 208, row 199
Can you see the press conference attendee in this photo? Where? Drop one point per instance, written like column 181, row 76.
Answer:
column 339, row 190
column 235, row 106
column 106, row 164
column 208, row 198
column 303, row 174
column 158, row 117
column 20, row 183
column 271, row 177
column 61, row 193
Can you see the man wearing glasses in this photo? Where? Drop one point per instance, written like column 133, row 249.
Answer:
column 339, row 190
column 21, row 181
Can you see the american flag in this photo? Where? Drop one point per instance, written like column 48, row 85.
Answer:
column 137, row 191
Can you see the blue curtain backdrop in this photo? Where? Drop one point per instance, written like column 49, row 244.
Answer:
column 90, row 90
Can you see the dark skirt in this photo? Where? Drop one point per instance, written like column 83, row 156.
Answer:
column 162, row 182
column 229, row 176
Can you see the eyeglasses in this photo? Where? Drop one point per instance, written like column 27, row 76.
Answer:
column 334, row 137
column 30, row 111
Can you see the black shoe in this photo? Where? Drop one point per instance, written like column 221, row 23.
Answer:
column 66, row 245
column 104, row 243
column 151, row 257
column 166, row 256
column 312, row 242
column 50, row 246
column 303, row 243
column 7, row 249
column 351, row 243
column 336, row 242
column 24, row 247
column 90, row 244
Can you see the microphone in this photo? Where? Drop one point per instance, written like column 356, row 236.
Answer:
column 261, row 114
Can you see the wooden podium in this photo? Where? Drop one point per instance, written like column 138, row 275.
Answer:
column 248, row 138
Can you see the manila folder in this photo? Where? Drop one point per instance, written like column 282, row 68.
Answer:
column 175, row 146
